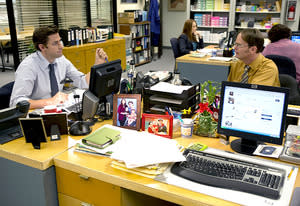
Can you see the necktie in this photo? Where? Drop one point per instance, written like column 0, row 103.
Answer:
column 244, row 78
column 53, row 82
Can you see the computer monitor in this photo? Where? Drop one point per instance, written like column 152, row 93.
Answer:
column 254, row 113
column 296, row 36
column 105, row 80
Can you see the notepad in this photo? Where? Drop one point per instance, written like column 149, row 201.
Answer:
column 102, row 137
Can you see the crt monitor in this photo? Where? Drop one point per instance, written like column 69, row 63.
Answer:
column 105, row 80
column 296, row 36
column 254, row 113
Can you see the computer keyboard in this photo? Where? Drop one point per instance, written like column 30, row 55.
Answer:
column 74, row 107
column 230, row 173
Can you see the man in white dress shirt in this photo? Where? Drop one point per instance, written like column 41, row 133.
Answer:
column 33, row 79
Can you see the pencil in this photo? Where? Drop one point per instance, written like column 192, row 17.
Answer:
column 291, row 172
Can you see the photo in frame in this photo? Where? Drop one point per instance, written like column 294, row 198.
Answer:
column 158, row 124
column 127, row 111
column 176, row 5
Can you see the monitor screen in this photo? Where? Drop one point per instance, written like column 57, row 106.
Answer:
column 296, row 37
column 105, row 81
column 105, row 78
column 255, row 113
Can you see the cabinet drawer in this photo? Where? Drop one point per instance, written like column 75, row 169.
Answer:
column 87, row 189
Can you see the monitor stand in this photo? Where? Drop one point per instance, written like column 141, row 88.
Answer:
column 244, row 146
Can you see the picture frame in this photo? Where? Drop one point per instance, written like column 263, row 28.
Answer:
column 177, row 5
column 158, row 124
column 122, row 111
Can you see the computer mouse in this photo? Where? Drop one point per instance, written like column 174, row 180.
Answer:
column 80, row 128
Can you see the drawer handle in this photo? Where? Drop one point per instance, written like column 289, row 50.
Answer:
column 84, row 177
column 85, row 204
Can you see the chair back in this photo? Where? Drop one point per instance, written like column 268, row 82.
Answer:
column 284, row 64
column 175, row 47
column 291, row 83
column 5, row 93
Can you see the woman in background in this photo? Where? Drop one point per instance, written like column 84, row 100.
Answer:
column 122, row 112
column 190, row 40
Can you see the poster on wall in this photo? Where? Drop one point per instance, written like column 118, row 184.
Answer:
column 129, row 1
column 291, row 10
column 176, row 5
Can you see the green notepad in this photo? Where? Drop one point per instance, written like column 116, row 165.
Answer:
column 102, row 137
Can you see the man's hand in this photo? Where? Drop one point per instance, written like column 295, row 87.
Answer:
column 100, row 57
column 59, row 98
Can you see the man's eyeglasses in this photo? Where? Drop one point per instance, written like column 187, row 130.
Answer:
column 240, row 45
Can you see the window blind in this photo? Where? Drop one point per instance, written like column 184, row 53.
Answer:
column 71, row 13
column 101, row 12
column 30, row 14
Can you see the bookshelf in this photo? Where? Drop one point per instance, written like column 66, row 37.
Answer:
column 140, row 40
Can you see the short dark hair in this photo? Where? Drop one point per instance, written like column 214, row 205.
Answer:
column 40, row 35
column 279, row 31
column 254, row 38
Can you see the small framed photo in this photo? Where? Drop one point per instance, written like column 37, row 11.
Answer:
column 158, row 124
column 127, row 111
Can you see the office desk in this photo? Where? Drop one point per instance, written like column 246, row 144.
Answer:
column 198, row 70
column 28, row 175
column 79, row 174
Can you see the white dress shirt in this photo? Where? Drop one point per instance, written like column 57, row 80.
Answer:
column 32, row 79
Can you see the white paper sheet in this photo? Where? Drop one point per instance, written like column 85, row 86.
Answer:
column 236, row 196
column 168, row 87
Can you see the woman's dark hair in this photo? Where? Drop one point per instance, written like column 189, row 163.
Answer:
column 279, row 31
column 254, row 38
column 40, row 35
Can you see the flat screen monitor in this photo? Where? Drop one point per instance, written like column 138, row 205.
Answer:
column 254, row 113
column 105, row 80
column 296, row 37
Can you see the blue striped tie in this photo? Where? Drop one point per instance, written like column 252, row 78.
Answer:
column 53, row 82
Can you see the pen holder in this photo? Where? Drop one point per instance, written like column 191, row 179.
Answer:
column 187, row 126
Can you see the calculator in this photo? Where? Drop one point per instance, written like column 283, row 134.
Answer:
column 197, row 147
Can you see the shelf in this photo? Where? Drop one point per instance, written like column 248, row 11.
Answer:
column 136, row 23
column 143, row 62
column 241, row 27
column 214, row 27
column 258, row 12
column 211, row 11
column 140, row 50
column 139, row 37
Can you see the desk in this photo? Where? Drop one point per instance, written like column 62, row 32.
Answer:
column 127, row 188
column 198, row 70
column 28, row 177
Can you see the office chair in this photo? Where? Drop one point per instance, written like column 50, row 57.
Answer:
column 5, row 93
column 291, row 83
column 284, row 64
column 175, row 48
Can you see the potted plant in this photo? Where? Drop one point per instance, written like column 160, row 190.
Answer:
column 207, row 114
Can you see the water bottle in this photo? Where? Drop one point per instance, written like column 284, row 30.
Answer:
column 130, row 74
column 176, row 80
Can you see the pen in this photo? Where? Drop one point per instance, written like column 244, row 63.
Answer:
column 291, row 172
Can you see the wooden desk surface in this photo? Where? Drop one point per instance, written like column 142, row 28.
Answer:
column 20, row 151
column 99, row 167
column 188, row 58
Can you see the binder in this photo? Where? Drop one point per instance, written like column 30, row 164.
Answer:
column 102, row 138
